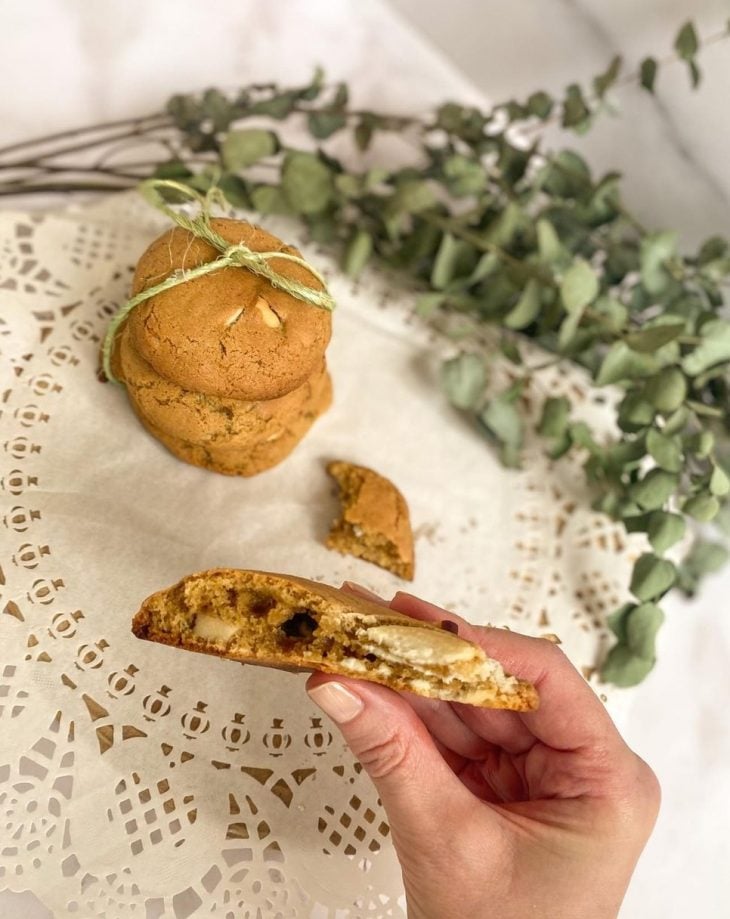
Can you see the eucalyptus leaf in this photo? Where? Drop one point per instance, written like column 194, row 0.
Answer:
column 576, row 112
column 719, row 482
column 654, row 489
column 464, row 176
column 555, row 417
column 235, row 189
column 622, row 363
column 503, row 421
column 172, row 169
column 634, row 412
column 642, row 625
column 427, row 304
column 624, row 668
column 364, row 131
column 270, row 199
column 613, row 314
column 665, row 451
column 540, row 104
column 649, row 339
column 241, row 149
column 412, row 196
column 603, row 82
column 656, row 249
column 686, row 43
column 357, row 253
column 702, row 507
column 701, row 444
column 306, row 182
column 652, row 576
column 616, row 621
column 278, row 107
column 667, row 390
column 648, row 72
column 324, row 124
column 579, row 286
column 664, row 530
column 706, row 557
column 549, row 246
column 713, row 349
column 445, row 262
column 463, row 378
column 566, row 175
column 487, row 264
column 527, row 308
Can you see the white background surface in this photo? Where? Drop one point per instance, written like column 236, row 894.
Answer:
column 71, row 62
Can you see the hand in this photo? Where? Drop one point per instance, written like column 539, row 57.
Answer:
column 494, row 813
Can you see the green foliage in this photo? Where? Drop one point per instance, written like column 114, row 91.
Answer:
column 463, row 378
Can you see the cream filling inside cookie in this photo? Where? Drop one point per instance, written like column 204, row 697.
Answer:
column 431, row 653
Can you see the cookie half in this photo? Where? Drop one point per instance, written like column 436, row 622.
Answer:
column 229, row 333
column 288, row 622
column 374, row 523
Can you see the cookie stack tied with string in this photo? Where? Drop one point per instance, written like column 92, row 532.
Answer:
column 222, row 346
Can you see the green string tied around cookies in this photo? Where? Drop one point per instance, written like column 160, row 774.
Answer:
column 232, row 256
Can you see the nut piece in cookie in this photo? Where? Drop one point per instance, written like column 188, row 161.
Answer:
column 375, row 524
column 287, row 622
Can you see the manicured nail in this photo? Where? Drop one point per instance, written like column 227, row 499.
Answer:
column 336, row 701
column 362, row 591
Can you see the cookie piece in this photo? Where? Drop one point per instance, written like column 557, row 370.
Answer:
column 210, row 420
column 249, row 459
column 229, row 333
column 288, row 622
column 375, row 524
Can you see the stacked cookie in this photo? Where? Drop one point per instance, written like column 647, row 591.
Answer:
column 226, row 370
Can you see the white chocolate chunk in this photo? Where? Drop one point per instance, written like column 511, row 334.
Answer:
column 234, row 317
column 409, row 644
column 267, row 314
column 210, row 628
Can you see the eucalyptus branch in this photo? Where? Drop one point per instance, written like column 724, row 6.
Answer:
column 134, row 123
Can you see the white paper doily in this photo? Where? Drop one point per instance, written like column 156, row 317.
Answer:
column 139, row 781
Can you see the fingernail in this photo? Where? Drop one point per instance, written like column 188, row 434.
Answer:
column 336, row 701
column 362, row 591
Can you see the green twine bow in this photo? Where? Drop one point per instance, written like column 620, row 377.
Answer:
column 232, row 256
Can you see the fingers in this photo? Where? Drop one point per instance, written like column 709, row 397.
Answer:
column 570, row 715
column 448, row 728
column 416, row 785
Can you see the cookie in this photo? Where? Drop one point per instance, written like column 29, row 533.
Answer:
column 210, row 420
column 288, row 622
column 252, row 458
column 375, row 524
column 229, row 333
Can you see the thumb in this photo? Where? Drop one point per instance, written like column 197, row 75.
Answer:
column 417, row 787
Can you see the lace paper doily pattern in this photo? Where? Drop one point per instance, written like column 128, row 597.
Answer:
column 139, row 781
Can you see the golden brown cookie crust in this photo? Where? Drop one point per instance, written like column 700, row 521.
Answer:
column 375, row 523
column 288, row 622
column 256, row 456
column 229, row 333
column 211, row 420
